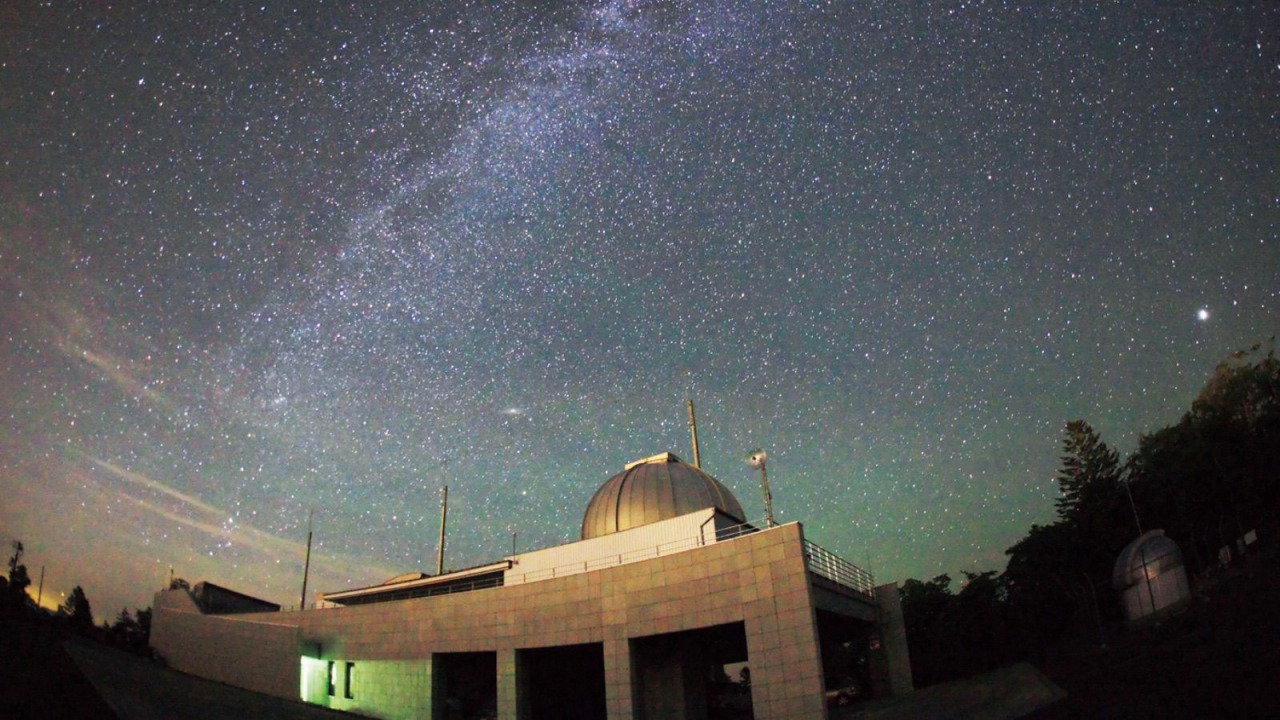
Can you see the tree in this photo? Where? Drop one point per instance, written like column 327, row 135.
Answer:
column 1051, row 585
column 1237, row 418
column 125, row 626
column 76, row 609
column 1090, row 474
column 1212, row 475
column 19, row 581
column 15, row 588
column 143, row 616
column 926, row 616
column 127, row 631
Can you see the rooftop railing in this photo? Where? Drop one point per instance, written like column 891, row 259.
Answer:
column 818, row 560
column 826, row 564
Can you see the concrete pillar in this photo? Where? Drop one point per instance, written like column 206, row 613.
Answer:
column 509, row 686
column 619, row 678
column 434, row 706
column 782, row 633
column 893, row 656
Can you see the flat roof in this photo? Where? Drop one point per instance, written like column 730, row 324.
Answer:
column 392, row 587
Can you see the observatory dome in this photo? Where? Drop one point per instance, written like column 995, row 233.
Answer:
column 654, row 489
column 1150, row 576
column 1147, row 557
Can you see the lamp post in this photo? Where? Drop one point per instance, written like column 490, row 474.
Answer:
column 756, row 459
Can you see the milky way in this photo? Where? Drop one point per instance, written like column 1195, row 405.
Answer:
column 260, row 261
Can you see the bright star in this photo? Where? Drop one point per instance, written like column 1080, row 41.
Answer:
column 1203, row 314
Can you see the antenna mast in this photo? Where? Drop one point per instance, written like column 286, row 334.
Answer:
column 693, row 431
column 306, row 568
column 444, row 515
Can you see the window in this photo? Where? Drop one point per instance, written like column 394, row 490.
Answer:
column 332, row 678
column 348, row 690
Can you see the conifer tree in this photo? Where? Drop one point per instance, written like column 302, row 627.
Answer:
column 1090, row 474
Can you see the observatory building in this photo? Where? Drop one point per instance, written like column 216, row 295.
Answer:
column 670, row 606
column 1150, row 576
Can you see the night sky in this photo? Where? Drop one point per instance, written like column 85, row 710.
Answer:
column 258, row 260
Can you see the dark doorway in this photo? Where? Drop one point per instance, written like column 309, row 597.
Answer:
column 465, row 686
column 562, row 683
column 846, row 658
column 693, row 675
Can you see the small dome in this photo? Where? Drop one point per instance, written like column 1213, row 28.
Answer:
column 654, row 489
column 1150, row 555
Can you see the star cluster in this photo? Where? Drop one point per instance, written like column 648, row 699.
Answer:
column 258, row 261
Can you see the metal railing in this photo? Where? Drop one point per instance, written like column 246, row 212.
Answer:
column 826, row 564
column 818, row 560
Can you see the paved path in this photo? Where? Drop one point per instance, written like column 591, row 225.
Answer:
column 1003, row 694
column 138, row 689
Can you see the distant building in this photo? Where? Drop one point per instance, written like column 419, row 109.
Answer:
column 217, row 600
column 671, row 606
column 1150, row 576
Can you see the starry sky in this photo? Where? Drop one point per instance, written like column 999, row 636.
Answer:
column 264, row 259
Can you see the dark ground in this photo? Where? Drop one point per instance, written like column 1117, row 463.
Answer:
column 40, row 679
column 49, row 674
column 138, row 689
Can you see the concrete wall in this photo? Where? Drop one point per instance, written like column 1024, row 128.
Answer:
column 648, row 541
column 892, row 658
column 256, row 651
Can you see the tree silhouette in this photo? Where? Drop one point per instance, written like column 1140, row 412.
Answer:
column 1211, row 476
column 1089, row 477
column 14, row 591
column 143, row 617
column 76, row 609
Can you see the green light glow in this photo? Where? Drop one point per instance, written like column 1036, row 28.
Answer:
column 309, row 665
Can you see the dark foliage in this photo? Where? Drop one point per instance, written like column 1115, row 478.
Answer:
column 131, row 631
column 13, row 590
column 77, row 611
column 1215, row 474
column 952, row 635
